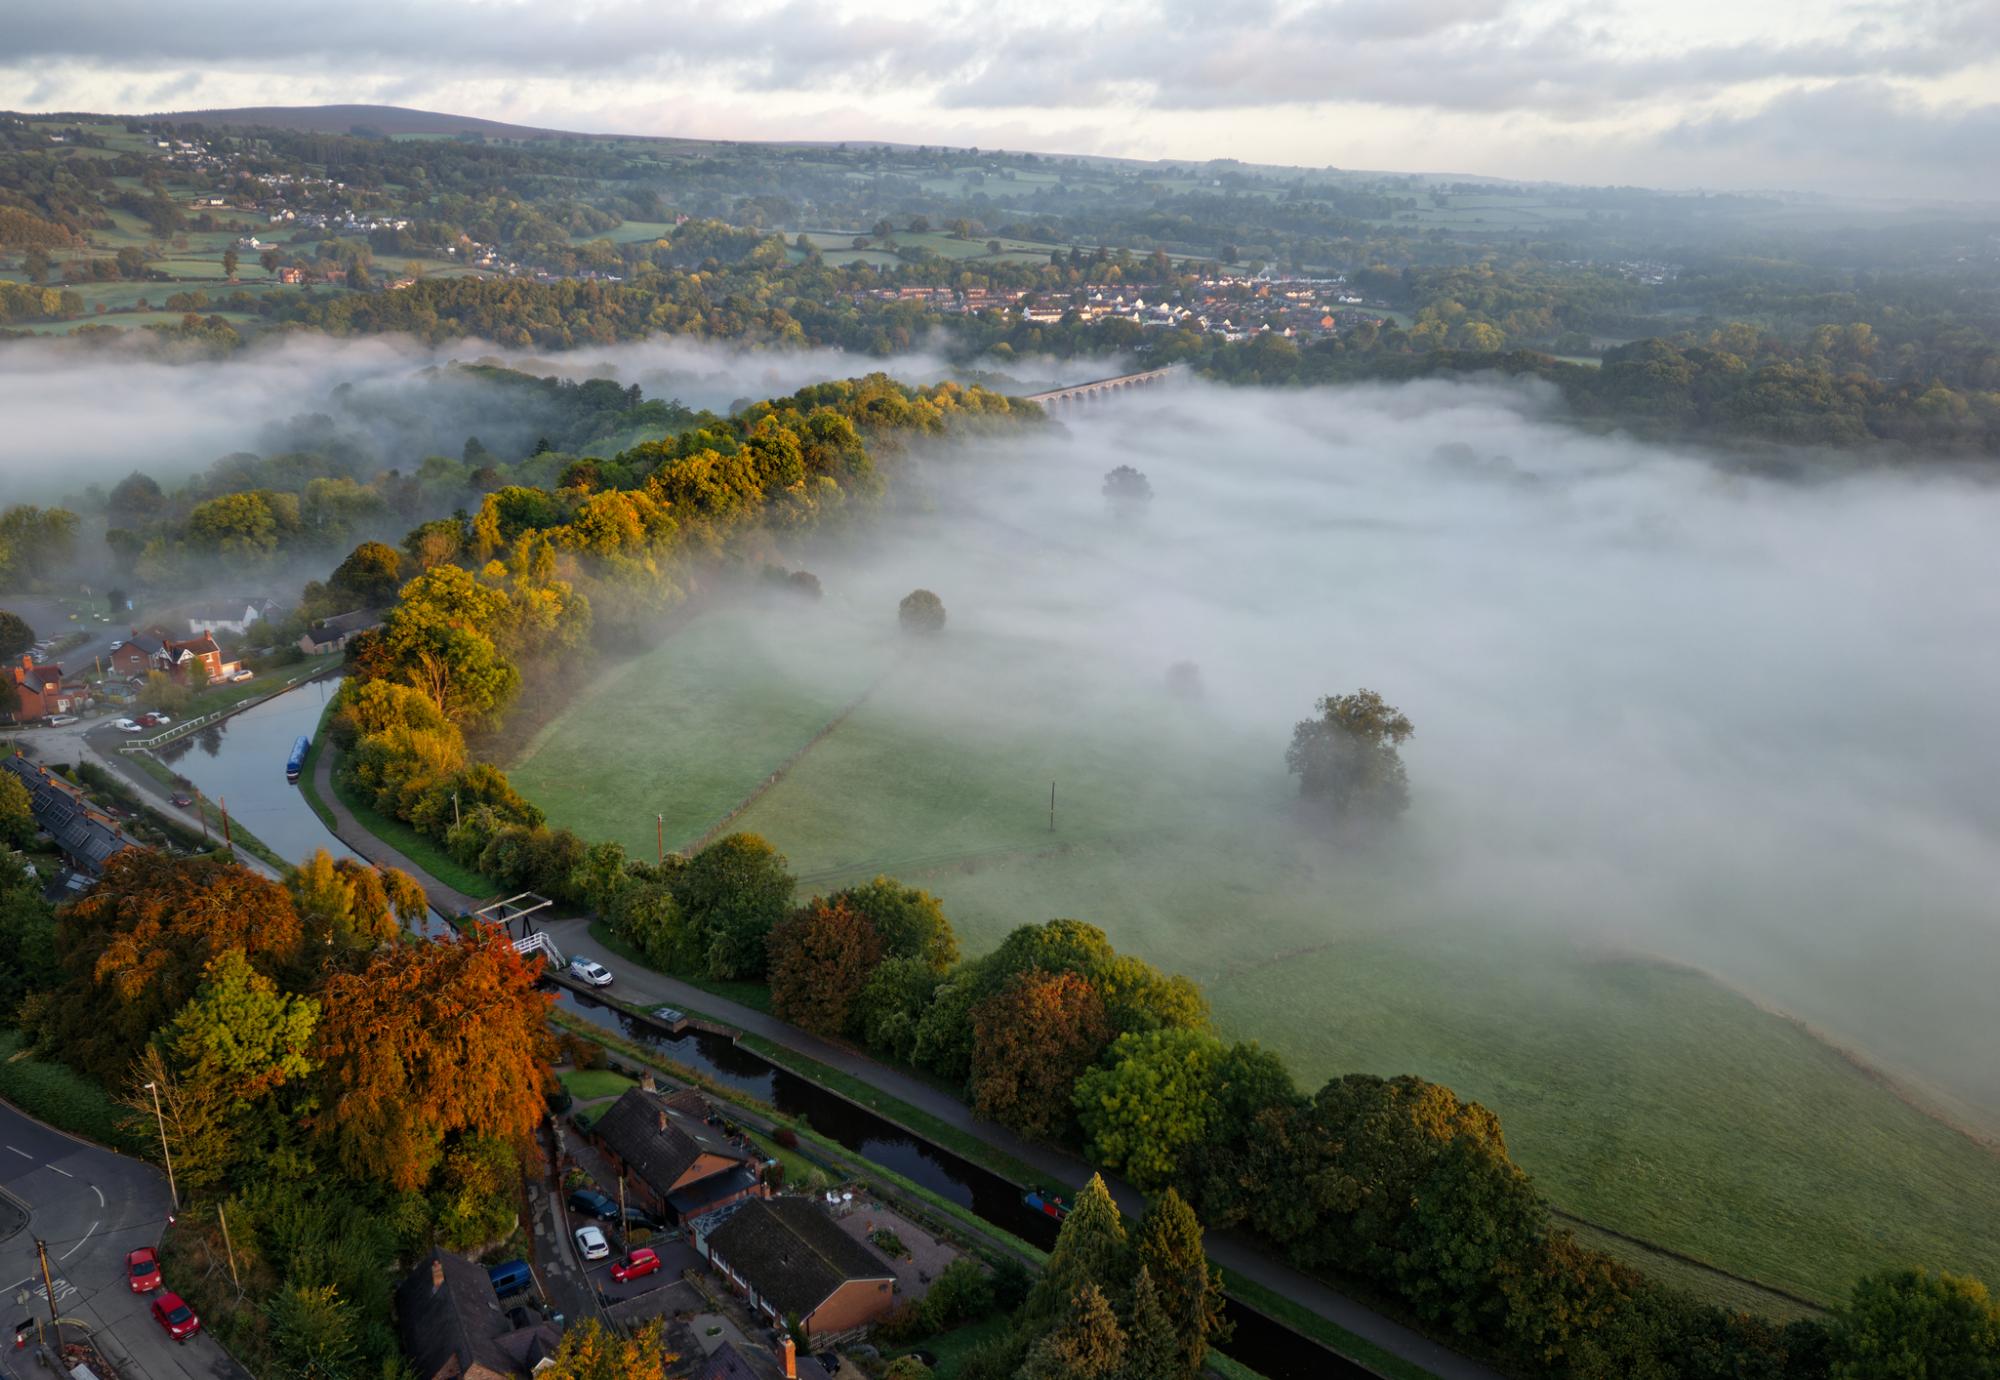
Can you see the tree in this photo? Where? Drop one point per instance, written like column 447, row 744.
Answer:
column 1152, row 1343
column 440, row 639
column 1149, row 1102
column 821, row 957
column 959, row 1294
column 15, row 635
column 1091, row 1249
column 910, row 921
column 240, row 1034
column 732, row 893
column 476, row 1200
column 229, row 262
column 313, row 1333
column 429, row 1040
column 17, row 812
column 345, row 906
column 1346, row 758
column 1190, row 1289
column 1128, row 491
column 591, row 1351
column 268, row 260
column 1915, row 1325
column 201, row 1132
column 1086, row 1344
column 921, row 612
column 1030, row 1042
column 369, row 577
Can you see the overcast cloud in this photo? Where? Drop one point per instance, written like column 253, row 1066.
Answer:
column 1880, row 97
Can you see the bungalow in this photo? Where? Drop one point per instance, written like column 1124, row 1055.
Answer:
column 676, row 1166
column 87, row 837
column 333, row 634
column 796, row 1266
column 233, row 616
column 41, row 691
column 453, row 1327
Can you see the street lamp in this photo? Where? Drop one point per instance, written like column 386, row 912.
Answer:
column 165, row 1153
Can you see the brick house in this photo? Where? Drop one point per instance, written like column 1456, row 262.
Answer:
column 155, row 651
column 453, row 1327
column 41, row 690
column 676, row 1166
column 794, row 1264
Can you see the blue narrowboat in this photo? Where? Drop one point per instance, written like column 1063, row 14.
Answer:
column 1049, row 1206
column 296, row 763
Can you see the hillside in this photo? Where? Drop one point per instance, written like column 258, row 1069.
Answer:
column 381, row 119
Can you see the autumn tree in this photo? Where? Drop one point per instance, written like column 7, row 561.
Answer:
column 1346, row 757
column 369, row 577
column 1169, row 1245
column 202, row 1133
column 1030, row 1043
column 346, row 906
column 1086, row 1343
column 921, row 612
column 428, row 1041
column 17, row 812
column 821, row 957
column 592, row 1351
column 440, row 639
column 1915, row 1325
column 136, row 947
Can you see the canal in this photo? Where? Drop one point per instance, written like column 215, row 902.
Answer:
column 242, row 760
column 1259, row 1342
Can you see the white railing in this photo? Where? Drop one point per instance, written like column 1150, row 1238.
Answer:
column 182, row 729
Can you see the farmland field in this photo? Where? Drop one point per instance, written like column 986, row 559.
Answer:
column 1643, row 1096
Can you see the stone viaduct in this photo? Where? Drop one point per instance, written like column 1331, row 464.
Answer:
column 1099, row 390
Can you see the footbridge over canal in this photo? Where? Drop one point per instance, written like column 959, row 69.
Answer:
column 1098, row 390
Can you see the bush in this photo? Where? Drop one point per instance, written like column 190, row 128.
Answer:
column 888, row 1243
column 960, row 1294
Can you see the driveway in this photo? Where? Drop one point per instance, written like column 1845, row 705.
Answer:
column 92, row 1207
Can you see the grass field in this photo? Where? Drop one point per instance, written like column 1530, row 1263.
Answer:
column 1642, row 1096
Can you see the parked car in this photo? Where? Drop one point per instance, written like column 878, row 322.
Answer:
column 637, row 1217
column 511, row 1278
column 127, row 726
column 161, row 719
column 591, row 971
column 170, row 1312
column 142, row 1267
column 598, row 1205
column 117, row 644
column 590, row 1243
column 182, row 799
column 244, row 675
column 58, row 720
column 147, row 720
column 635, row 1265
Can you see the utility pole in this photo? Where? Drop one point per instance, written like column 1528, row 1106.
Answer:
column 454, row 809
column 229, row 1249
column 229, row 840
column 49, row 1287
column 1052, row 807
column 623, row 1225
column 660, row 828
column 165, row 1153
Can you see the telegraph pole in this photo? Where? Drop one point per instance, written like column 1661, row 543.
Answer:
column 229, row 840
column 660, row 829
column 623, row 1225
column 454, row 808
column 229, row 1249
column 1052, row 807
column 165, row 1154
column 49, row 1287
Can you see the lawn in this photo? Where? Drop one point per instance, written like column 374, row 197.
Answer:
column 591, row 1085
column 1643, row 1097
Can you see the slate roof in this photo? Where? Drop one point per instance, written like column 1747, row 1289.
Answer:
column 702, row 1192
column 87, row 837
column 460, row 1321
column 792, row 1253
column 727, row 1364
column 638, row 1131
column 326, row 629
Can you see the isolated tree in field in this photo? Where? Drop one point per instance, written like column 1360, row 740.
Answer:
column 1346, row 758
column 821, row 957
column 229, row 262
column 1128, row 491
column 1030, row 1042
column 15, row 635
column 1169, row 1245
column 1915, row 1325
column 921, row 612
column 269, row 260
column 429, row 1041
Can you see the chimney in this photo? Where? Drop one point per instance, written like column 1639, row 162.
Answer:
column 788, row 1352
column 663, row 1117
column 647, row 1083
column 437, row 1273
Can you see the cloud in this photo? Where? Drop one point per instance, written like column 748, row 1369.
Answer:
column 1842, row 129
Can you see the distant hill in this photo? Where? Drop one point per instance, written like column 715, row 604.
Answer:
column 375, row 119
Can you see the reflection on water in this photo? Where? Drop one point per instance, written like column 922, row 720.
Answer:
column 240, row 760
column 1258, row 1342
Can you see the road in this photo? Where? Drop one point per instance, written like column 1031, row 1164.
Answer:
column 92, row 1207
column 51, row 620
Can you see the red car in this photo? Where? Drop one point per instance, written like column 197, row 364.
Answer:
column 142, row 1267
column 174, row 1315
column 636, row 1265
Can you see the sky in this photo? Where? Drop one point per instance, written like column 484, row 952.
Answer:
column 1890, row 97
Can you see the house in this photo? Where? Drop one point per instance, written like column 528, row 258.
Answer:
column 794, row 1264
column 152, row 651
column 453, row 1327
column 291, row 275
column 333, row 634
column 41, row 690
column 88, row 837
column 676, row 1166
column 232, row 616
column 727, row 1363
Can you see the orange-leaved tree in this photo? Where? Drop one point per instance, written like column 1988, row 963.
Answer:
column 427, row 1041
column 1030, row 1043
column 821, row 957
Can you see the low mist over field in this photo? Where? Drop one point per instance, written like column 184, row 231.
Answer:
column 104, row 411
column 1661, row 709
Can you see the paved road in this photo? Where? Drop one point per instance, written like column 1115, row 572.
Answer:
column 92, row 1207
